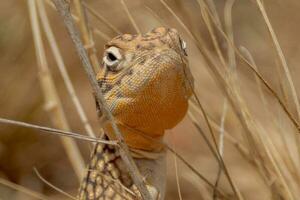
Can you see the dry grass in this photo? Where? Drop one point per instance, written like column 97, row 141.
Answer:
column 246, row 107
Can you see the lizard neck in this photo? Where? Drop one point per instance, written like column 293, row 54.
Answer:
column 139, row 140
column 107, row 175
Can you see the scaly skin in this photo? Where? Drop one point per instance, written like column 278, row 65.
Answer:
column 146, row 83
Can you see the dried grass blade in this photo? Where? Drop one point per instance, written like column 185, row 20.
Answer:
column 63, row 9
column 57, row 131
column 87, row 38
column 101, row 18
column 53, row 186
column 130, row 17
column 24, row 190
column 53, row 103
column 62, row 68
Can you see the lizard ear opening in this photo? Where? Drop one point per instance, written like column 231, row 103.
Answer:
column 112, row 58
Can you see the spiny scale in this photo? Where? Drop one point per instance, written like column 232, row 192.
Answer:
column 106, row 176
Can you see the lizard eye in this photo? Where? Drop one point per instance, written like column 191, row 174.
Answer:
column 111, row 59
column 183, row 46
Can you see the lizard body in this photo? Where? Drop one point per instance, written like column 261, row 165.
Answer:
column 146, row 83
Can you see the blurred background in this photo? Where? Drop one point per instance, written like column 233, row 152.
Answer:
column 22, row 99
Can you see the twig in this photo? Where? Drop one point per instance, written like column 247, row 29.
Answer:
column 280, row 56
column 288, row 155
column 58, row 132
column 101, row 18
column 63, row 9
column 252, row 68
column 232, row 71
column 283, row 64
column 86, row 35
column 23, row 190
column 198, row 174
column 95, row 30
column 155, row 16
column 53, row 103
column 198, row 127
column 130, row 17
column 245, row 117
column 195, row 171
column 62, row 68
column 220, row 160
column 53, row 186
column 176, row 169
column 177, row 18
column 242, row 149
column 276, row 123
column 221, row 143
column 211, row 32
column 212, row 7
column 203, row 190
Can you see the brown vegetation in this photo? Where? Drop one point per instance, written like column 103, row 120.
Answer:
column 243, row 56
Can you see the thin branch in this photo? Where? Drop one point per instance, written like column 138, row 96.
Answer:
column 221, row 143
column 212, row 7
column 176, row 170
column 247, row 121
column 220, row 160
column 87, row 38
column 252, row 68
column 101, row 18
column 232, row 69
column 23, row 190
column 280, row 55
column 130, row 17
column 196, row 172
column 211, row 32
column 53, row 186
column 199, row 175
column 155, row 16
column 240, row 147
column 283, row 64
column 63, row 9
column 62, row 68
column 57, row 132
column 95, row 30
column 52, row 101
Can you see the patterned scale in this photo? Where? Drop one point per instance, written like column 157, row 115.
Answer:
column 106, row 177
column 146, row 82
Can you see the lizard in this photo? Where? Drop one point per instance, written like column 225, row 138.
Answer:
column 146, row 82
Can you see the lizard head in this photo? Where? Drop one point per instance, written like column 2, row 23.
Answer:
column 146, row 82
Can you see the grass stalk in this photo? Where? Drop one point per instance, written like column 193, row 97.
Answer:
column 101, row 18
column 95, row 30
column 58, row 132
column 275, row 123
column 53, row 186
column 132, row 21
column 87, row 39
column 280, row 56
column 260, row 77
column 62, row 68
column 24, row 190
column 53, row 104
column 284, row 65
column 176, row 170
column 63, row 9
column 221, row 161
